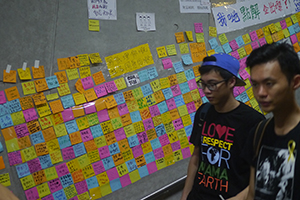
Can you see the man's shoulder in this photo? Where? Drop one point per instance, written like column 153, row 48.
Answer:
column 249, row 110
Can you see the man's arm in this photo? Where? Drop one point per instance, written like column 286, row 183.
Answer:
column 250, row 195
column 192, row 170
column 6, row 194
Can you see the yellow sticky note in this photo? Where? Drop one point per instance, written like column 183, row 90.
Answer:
column 63, row 89
column 53, row 96
column 56, row 157
column 24, row 74
column 120, row 83
column 95, row 58
column 184, row 48
column 50, row 173
column 286, row 33
column 5, row 179
column 171, row 50
column 278, row 26
column 83, row 59
column 212, row 31
column 181, row 78
column 199, row 37
column 182, row 110
column 60, row 130
column 84, row 72
column 250, row 93
column 269, row 39
column 82, row 123
column 189, row 35
column 272, row 28
column 17, row 118
column 43, row 190
column 223, row 39
column 161, row 51
column 155, row 85
column 102, row 178
column 29, row 153
column 12, row 145
column 210, row 52
column 27, row 182
column 95, row 193
column 28, row 88
column 134, row 176
column 160, row 163
column 43, row 110
column 79, row 98
column 83, row 161
column 246, row 38
column 266, row 30
column 45, row 122
column 294, row 18
column 164, row 83
column 242, row 53
column 288, row 21
column 72, row 73
column 94, row 25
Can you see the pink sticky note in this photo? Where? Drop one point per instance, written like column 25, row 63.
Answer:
column 283, row 24
column 235, row 54
column 112, row 174
column 14, row 158
column 262, row 41
column 87, row 82
column 175, row 90
column 111, row 87
column 21, row 130
column 243, row 63
column 192, row 84
column 103, row 115
column 254, row 45
column 120, row 134
column 198, row 27
column 2, row 97
column 98, row 167
column 294, row 38
column 241, row 89
column 158, row 153
column 100, row 90
column 191, row 107
column 234, row 45
column 125, row 180
column 137, row 151
column 167, row 63
column 253, row 35
column 186, row 152
column 86, row 135
column 67, row 114
column 142, row 137
column 164, row 140
column 62, row 169
column 30, row 114
column 68, row 153
column 89, row 108
column 154, row 111
column 235, row 91
column 49, row 197
column 201, row 92
column 152, row 167
column 122, row 108
column 171, row 104
column 175, row 145
column 32, row 194
column 148, row 123
column 55, row 185
column 74, row 198
column 81, row 187
column 244, row 74
column 34, row 165
column 104, row 152
column 177, row 123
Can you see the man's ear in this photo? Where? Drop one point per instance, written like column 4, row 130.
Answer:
column 232, row 81
column 296, row 81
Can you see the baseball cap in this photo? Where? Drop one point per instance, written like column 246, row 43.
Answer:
column 228, row 63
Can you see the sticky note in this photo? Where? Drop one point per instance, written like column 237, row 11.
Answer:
column 95, row 58
column 179, row 37
column 94, row 25
column 189, row 35
column 184, row 48
column 199, row 37
column 83, row 59
column 53, row 96
column 10, row 77
column 24, row 74
column 212, row 31
column 161, row 52
column 223, row 39
column 12, row 93
column 167, row 63
column 72, row 74
column 98, row 77
column 38, row 72
column 171, row 50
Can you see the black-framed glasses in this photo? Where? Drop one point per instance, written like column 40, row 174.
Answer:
column 210, row 86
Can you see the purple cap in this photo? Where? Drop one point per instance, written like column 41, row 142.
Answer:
column 228, row 63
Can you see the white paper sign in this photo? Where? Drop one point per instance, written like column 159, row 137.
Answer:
column 194, row 6
column 145, row 21
column 132, row 80
column 102, row 9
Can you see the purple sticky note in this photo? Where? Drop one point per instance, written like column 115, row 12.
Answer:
column 254, row 45
column 148, row 123
column 241, row 89
column 175, row 90
column 68, row 153
column 294, row 38
column 154, row 111
column 186, row 152
column 158, row 153
column 192, row 84
column 49, row 197
column 103, row 115
column 152, row 167
column 87, row 82
column 198, row 27
column 112, row 174
column 233, row 44
column 30, row 114
column 62, row 169
column 177, row 123
column 14, row 158
column 89, row 108
column 55, row 185
column 67, row 114
column 21, row 130
column 34, row 165
column 142, row 137
column 81, row 187
column 171, row 104
column 167, row 63
column 201, row 92
column 235, row 54
column 122, row 108
column 32, row 194
column 164, row 140
column 283, row 24
column 243, row 63
column 191, row 107
column 98, row 167
column 125, row 180
column 74, row 198
column 175, row 145
column 244, row 74
column 137, row 151
column 253, row 36
column 86, row 135
column 111, row 87
column 262, row 41
column 2, row 97
column 100, row 90
column 120, row 134
column 235, row 91
column 104, row 152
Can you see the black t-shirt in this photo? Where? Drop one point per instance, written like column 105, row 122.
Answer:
column 221, row 169
column 276, row 174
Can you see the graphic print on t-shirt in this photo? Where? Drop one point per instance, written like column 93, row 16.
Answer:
column 217, row 141
column 275, row 173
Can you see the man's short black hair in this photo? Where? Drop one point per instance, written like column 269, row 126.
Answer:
column 281, row 52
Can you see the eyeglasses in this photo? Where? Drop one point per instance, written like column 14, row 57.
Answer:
column 210, row 86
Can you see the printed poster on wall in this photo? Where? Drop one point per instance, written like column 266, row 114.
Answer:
column 102, row 9
column 195, row 6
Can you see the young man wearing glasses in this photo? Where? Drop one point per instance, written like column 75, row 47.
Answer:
column 216, row 169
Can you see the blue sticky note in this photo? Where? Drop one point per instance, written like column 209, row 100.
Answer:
column 239, row 40
column 114, row 148
column 64, row 141
column 204, row 99
column 162, row 106
column 37, row 137
column 155, row 144
column 149, row 157
column 59, row 195
column 52, row 82
column 108, row 163
column 71, row 126
column 188, row 130
column 14, row 105
column 296, row 27
column 179, row 101
column 178, row 67
column 189, row 74
column 219, row 49
column 67, row 101
column 152, row 73
column 22, row 170
column 227, row 48
column 244, row 97
column 119, row 98
column 192, row 115
column 115, row 184
column 96, row 131
column 291, row 30
column 143, row 75
column 238, row 98
column 92, row 182
column 213, row 43
column 45, row 161
column 135, row 116
column 187, row 59
column 143, row 171
column 66, row 180
column 160, row 130
column 79, row 149
column 133, row 141
column 6, row 121
column 4, row 110
column 167, row 93
column 131, row 165
column 146, row 89
column 1, row 147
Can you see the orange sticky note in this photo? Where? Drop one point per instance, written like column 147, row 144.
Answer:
column 12, row 93
column 73, row 62
column 61, row 77
column 63, row 63
column 39, row 98
column 9, row 133
column 100, row 104
column 2, row 165
column 98, row 78
column 179, row 37
column 128, row 95
column 79, row 86
column 38, row 72
column 110, row 102
column 78, row 111
column 41, row 85
column 10, row 77
column 26, row 102
column 49, row 134
column 56, row 106
column 90, row 94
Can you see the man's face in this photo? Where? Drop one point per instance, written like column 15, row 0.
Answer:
column 270, row 86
